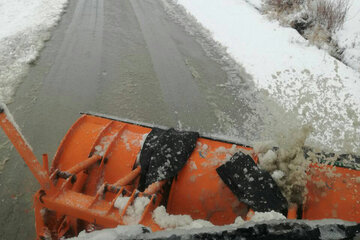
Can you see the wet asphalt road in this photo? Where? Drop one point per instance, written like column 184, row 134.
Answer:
column 124, row 58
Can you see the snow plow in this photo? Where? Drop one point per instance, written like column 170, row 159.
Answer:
column 109, row 172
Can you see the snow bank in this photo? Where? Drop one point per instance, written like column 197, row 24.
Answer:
column 349, row 36
column 306, row 81
column 24, row 27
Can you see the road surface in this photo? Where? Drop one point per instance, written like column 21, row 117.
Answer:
column 124, row 58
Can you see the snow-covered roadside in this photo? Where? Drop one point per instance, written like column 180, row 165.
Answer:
column 349, row 36
column 24, row 27
column 322, row 91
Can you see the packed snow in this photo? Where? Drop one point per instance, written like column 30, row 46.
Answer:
column 24, row 27
column 320, row 90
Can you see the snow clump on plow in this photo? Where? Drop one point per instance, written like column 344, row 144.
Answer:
column 287, row 163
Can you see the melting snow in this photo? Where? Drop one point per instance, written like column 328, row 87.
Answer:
column 24, row 27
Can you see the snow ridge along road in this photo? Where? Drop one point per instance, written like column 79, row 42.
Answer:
column 24, row 25
column 311, row 85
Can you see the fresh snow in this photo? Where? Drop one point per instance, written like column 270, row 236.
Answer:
column 24, row 27
column 305, row 80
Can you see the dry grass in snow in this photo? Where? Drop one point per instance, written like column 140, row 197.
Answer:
column 315, row 20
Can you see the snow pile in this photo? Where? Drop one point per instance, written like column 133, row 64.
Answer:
column 120, row 232
column 24, row 27
column 171, row 222
column 287, row 164
column 134, row 211
column 314, row 87
column 349, row 36
column 167, row 221
column 267, row 216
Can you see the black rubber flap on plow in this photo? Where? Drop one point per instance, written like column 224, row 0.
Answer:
column 164, row 154
column 252, row 185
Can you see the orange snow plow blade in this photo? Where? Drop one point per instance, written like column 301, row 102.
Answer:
column 94, row 177
column 333, row 192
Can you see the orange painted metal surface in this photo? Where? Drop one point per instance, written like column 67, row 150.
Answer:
column 96, row 163
column 292, row 211
column 198, row 190
column 333, row 192
column 25, row 151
